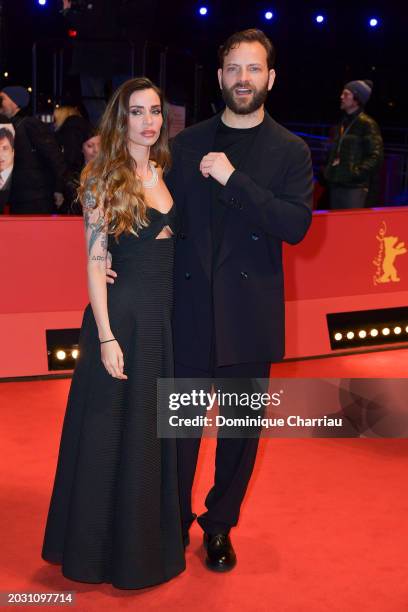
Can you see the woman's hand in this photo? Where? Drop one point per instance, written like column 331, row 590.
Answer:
column 112, row 359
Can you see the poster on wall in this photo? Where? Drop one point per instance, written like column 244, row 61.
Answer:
column 6, row 155
column 7, row 134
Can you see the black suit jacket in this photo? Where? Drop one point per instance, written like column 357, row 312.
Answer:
column 268, row 201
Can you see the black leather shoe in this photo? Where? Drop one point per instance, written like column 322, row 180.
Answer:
column 221, row 556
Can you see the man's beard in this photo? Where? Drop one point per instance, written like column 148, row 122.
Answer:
column 257, row 98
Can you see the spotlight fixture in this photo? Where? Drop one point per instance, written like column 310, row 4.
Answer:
column 268, row 15
column 62, row 348
column 373, row 23
column 365, row 328
column 203, row 10
column 319, row 19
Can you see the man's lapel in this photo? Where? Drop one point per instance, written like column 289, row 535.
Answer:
column 199, row 215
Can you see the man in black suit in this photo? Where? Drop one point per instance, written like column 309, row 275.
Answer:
column 242, row 185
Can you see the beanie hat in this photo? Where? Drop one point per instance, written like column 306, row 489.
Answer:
column 18, row 94
column 361, row 90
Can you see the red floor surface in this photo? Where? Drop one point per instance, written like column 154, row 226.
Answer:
column 323, row 527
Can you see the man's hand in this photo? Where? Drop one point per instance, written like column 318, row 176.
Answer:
column 110, row 274
column 58, row 199
column 218, row 166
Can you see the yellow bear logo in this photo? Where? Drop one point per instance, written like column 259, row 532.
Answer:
column 390, row 248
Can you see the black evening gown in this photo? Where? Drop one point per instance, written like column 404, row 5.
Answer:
column 114, row 514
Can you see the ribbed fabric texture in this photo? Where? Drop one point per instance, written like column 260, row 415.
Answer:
column 114, row 512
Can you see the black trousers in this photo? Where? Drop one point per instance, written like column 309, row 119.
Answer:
column 235, row 457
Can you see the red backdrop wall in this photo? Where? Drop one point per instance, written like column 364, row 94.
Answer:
column 336, row 268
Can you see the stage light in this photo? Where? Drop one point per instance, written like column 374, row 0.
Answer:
column 319, row 18
column 268, row 15
column 6, row 75
column 29, row 89
column 364, row 328
column 75, row 354
column 72, row 33
column 42, row 2
column 373, row 22
column 203, row 10
column 61, row 355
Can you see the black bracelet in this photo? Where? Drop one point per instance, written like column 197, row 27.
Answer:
column 111, row 340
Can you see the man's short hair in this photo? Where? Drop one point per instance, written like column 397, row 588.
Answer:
column 248, row 36
column 6, row 133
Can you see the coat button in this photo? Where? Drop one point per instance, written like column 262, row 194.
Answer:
column 244, row 275
column 232, row 201
column 255, row 236
column 187, row 276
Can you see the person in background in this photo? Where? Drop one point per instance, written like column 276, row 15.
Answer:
column 38, row 173
column 72, row 131
column 91, row 147
column 356, row 153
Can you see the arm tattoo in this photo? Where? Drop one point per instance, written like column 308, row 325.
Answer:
column 96, row 227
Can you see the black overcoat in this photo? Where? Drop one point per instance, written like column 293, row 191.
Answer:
column 268, row 201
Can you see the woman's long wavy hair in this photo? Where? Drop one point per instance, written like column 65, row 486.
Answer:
column 111, row 176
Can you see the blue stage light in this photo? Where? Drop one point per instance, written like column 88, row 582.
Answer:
column 268, row 15
column 319, row 18
column 203, row 10
column 373, row 22
column 42, row 2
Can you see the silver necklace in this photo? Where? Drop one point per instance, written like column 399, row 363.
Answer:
column 152, row 182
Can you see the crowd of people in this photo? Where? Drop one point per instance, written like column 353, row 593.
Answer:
column 40, row 167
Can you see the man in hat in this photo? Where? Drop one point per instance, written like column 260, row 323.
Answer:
column 38, row 172
column 356, row 153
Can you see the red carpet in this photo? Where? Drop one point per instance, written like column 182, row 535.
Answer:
column 323, row 528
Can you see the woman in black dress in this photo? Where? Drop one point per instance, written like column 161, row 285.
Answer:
column 114, row 512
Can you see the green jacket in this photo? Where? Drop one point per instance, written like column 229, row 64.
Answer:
column 360, row 153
